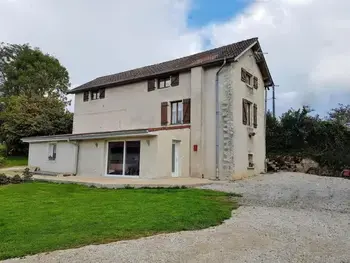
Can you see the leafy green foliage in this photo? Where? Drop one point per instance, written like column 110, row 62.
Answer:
column 40, row 217
column 33, row 87
column 4, row 179
column 299, row 133
column 16, row 179
column 340, row 115
column 27, row 116
column 29, row 72
column 27, row 175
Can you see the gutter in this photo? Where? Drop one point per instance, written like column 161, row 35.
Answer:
column 217, row 119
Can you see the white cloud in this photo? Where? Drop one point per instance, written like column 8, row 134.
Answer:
column 93, row 38
column 306, row 40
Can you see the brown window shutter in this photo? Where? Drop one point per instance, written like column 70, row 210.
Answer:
column 255, row 115
column 164, row 113
column 243, row 75
column 244, row 112
column 86, row 96
column 151, row 85
column 255, row 82
column 102, row 93
column 175, row 80
column 186, row 110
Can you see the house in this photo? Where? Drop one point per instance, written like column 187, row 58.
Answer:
column 200, row 116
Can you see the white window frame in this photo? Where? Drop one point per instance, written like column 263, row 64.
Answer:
column 124, row 159
column 95, row 95
column 164, row 82
column 176, row 112
column 248, row 106
column 52, row 152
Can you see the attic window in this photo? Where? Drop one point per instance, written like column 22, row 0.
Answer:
column 86, row 96
column 164, row 83
column 170, row 81
column 98, row 94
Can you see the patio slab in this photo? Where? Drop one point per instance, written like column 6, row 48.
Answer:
column 112, row 182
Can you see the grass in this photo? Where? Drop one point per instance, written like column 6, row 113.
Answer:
column 12, row 161
column 38, row 217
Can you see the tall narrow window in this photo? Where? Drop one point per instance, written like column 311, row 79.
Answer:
column 52, row 151
column 115, row 158
column 132, row 158
column 86, row 96
column 176, row 112
column 250, row 160
column 246, row 112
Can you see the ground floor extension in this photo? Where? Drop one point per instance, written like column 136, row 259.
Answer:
column 146, row 153
column 137, row 154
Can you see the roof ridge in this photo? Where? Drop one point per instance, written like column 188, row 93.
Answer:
column 182, row 63
column 184, row 57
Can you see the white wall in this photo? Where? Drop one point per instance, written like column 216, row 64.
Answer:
column 155, row 155
column 126, row 107
column 65, row 157
column 244, row 144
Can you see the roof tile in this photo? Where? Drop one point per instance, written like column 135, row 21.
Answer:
column 229, row 51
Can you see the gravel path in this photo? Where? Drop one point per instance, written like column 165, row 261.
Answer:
column 285, row 217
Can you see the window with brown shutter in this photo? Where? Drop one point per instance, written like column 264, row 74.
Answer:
column 175, row 80
column 246, row 112
column 86, row 96
column 243, row 75
column 187, row 110
column 164, row 113
column 255, row 114
column 151, row 85
column 102, row 93
column 255, row 82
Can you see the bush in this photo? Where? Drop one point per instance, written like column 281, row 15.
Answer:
column 3, row 150
column 2, row 161
column 4, row 179
column 27, row 176
column 16, row 179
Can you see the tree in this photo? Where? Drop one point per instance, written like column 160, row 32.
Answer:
column 27, row 116
column 33, row 87
column 341, row 114
column 27, row 71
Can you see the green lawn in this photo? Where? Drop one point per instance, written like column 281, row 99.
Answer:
column 38, row 217
column 12, row 161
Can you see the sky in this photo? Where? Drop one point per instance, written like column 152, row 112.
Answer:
column 306, row 41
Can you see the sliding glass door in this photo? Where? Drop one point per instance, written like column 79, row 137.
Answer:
column 124, row 158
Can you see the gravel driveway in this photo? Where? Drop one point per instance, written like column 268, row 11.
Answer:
column 284, row 217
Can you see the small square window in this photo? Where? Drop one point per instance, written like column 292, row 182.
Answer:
column 52, row 151
column 95, row 95
column 164, row 83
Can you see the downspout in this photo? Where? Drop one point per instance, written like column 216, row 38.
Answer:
column 217, row 120
column 77, row 159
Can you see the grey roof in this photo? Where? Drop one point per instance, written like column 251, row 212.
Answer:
column 88, row 136
column 207, row 57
